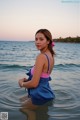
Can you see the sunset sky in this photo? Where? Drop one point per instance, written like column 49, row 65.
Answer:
column 20, row 19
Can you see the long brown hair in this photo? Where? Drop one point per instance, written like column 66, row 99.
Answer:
column 48, row 36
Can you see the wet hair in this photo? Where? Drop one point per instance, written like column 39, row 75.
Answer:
column 48, row 36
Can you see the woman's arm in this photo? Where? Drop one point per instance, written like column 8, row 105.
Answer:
column 37, row 73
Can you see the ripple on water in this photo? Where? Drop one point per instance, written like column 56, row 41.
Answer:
column 10, row 99
column 66, row 105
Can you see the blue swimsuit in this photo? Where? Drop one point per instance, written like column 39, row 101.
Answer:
column 42, row 93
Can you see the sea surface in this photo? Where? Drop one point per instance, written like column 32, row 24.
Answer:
column 17, row 57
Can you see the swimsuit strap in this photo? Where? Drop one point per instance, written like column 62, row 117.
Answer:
column 48, row 62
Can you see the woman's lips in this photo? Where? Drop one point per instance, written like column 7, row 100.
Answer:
column 38, row 45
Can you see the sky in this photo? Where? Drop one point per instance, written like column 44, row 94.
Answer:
column 20, row 19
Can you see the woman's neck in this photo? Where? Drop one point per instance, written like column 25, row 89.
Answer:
column 44, row 50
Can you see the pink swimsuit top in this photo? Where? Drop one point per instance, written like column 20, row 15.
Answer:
column 44, row 75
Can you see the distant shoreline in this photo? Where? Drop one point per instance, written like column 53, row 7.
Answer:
column 60, row 39
column 68, row 39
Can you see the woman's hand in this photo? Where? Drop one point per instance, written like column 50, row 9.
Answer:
column 21, row 82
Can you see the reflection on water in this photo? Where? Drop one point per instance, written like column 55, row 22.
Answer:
column 35, row 112
column 40, row 113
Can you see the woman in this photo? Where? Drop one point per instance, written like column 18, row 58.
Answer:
column 39, row 91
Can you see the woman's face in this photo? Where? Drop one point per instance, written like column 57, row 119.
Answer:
column 41, row 41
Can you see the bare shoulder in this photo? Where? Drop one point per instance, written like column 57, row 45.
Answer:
column 41, row 57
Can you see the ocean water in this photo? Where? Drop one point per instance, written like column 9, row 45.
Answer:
column 16, row 58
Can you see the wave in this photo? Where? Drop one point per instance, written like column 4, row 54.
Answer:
column 13, row 66
column 68, row 65
column 16, row 66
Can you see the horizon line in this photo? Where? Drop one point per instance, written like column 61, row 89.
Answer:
column 34, row 40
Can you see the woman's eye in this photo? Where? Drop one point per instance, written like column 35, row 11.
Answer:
column 36, row 39
column 41, row 39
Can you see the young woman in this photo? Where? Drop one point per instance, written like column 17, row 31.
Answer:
column 39, row 91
